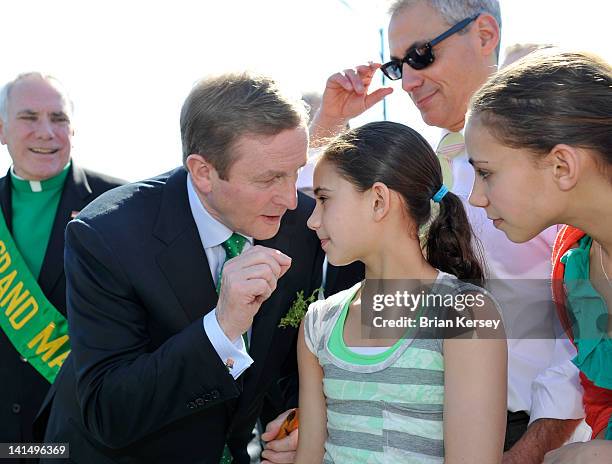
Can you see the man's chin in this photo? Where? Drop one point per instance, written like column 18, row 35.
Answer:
column 265, row 230
column 44, row 168
column 431, row 120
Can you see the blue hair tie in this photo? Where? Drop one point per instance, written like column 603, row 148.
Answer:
column 440, row 194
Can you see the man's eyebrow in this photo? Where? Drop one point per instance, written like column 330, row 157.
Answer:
column 271, row 173
column 472, row 161
column 414, row 45
column 35, row 113
column 319, row 190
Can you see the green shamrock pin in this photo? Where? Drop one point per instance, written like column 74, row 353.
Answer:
column 298, row 309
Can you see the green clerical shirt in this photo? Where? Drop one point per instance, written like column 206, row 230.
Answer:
column 34, row 205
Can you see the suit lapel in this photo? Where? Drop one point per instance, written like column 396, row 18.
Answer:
column 266, row 320
column 5, row 200
column 74, row 197
column 183, row 262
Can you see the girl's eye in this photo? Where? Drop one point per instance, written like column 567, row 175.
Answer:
column 483, row 174
column 322, row 199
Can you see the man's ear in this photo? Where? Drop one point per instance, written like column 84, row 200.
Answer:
column 2, row 137
column 202, row 172
column 381, row 200
column 488, row 33
column 566, row 165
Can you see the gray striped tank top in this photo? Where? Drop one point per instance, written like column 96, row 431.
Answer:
column 383, row 408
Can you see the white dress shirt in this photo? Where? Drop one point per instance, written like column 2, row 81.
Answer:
column 213, row 234
column 542, row 380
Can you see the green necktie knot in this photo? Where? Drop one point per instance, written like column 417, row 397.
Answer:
column 233, row 246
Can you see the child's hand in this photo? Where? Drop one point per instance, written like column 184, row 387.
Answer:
column 279, row 451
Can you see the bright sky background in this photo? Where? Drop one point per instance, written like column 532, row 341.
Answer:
column 129, row 64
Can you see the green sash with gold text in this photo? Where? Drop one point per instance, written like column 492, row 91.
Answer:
column 37, row 330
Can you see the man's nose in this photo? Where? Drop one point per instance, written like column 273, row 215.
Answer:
column 411, row 79
column 44, row 129
column 287, row 197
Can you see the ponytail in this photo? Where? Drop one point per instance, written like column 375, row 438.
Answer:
column 450, row 244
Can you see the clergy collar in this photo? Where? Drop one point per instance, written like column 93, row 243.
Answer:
column 34, row 186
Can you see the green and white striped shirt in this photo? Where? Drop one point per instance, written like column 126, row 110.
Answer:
column 381, row 408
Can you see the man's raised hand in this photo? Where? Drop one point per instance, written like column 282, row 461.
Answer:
column 345, row 96
column 246, row 282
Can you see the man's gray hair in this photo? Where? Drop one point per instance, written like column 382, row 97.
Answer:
column 219, row 110
column 5, row 93
column 453, row 11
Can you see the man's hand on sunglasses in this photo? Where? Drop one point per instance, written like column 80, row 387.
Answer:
column 345, row 96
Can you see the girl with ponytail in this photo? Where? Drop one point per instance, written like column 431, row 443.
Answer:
column 397, row 397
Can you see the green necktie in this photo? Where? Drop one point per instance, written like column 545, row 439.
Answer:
column 233, row 247
column 451, row 146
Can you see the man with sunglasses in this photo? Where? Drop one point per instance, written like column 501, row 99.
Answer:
column 443, row 51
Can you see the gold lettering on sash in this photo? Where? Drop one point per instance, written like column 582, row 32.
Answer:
column 49, row 346
column 5, row 258
column 6, row 282
column 21, row 300
column 59, row 360
column 13, row 319
column 15, row 298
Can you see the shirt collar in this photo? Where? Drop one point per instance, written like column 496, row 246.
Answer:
column 212, row 232
column 444, row 132
column 53, row 183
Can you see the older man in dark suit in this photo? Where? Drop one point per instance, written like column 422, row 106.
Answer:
column 42, row 191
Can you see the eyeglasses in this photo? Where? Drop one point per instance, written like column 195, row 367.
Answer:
column 422, row 56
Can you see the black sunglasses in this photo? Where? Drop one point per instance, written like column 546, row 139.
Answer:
column 422, row 56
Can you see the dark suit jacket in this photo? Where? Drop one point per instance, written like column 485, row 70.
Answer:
column 144, row 383
column 22, row 388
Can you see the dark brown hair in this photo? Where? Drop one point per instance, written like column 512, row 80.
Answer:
column 549, row 98
column 219, row 110
column 400, row 158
